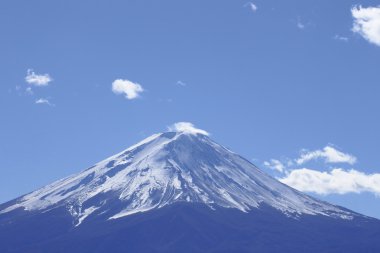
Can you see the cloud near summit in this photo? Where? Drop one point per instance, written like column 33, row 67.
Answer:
column 186, row 127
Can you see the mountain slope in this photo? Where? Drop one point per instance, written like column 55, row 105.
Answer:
column 189, row 227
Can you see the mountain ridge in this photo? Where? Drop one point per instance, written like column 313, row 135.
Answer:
column 172, row 167
column 179, row 192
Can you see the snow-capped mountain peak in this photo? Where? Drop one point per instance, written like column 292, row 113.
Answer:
column 170, row 167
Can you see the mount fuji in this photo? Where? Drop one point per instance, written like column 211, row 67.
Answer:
column 179, row 191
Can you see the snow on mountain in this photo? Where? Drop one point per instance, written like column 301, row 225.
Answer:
column 165, row 168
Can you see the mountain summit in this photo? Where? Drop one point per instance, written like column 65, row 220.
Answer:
column 177, row 169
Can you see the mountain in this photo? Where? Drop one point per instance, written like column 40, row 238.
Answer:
column 179, row 192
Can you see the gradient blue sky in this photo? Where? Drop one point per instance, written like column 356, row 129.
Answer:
column 291, row 75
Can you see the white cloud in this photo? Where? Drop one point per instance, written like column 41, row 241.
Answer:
column 252, row 6
column 275, row 165
column 329, row 154
column 336, row 181
column 43, row 101
column 129, row 89
column 186, row 127
column 341, row 38
column 367, row 23
column 37, row 79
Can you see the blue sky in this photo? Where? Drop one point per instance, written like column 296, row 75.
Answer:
column 272, row 80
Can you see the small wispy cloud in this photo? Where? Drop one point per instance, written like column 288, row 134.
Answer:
column 180, row 83
column 29, row 91
column 336, row 181
column 130, row 89
column 37, row 79
column 329, row 154
column 21, row 91
column 341, row 38
column 251, row 6
column 275, row 165
column 300, row 24
column 367, row 23
column 43, row 101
